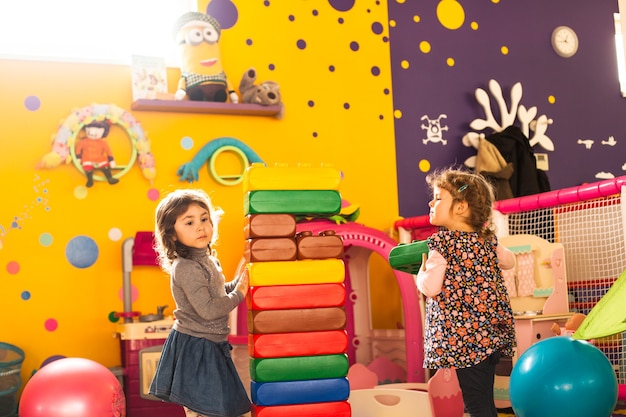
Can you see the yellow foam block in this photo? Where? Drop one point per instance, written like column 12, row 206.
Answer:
column 308, row 271
column 261, row 177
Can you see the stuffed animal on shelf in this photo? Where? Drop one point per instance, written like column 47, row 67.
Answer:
column 571, row 325
column 266, row 93
column 197, row 37
column 93, row 151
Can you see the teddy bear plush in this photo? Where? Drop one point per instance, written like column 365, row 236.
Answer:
column 571, row 325
column 266, row 93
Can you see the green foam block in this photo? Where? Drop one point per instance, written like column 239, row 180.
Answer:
column 407, row 257
column 298, row 368
column 313, row 203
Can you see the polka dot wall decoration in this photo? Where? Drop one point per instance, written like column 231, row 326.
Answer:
column 81, row 252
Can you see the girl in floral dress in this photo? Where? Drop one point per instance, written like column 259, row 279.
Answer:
column 469, row 321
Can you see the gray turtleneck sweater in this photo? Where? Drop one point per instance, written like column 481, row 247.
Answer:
column 203, row 299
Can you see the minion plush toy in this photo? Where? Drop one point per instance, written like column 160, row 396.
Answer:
column 202, row 77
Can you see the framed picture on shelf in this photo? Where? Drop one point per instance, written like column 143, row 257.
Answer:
column 149, row 77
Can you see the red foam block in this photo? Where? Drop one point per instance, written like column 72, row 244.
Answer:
column 335, row 409
column 278, row 345
column 280, row 297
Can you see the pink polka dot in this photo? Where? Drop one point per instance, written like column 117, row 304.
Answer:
column 13, row 267
column 134, row 293
column 51, row 325
column 153, row 194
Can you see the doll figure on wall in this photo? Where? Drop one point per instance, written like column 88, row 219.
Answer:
column 202, row 78
column 93, row 152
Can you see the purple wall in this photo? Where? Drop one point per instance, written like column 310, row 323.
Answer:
column 588, row 103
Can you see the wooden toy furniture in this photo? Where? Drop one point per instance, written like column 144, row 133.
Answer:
column 537, row 288
column 390, row 403
column 141, row 342
column 439, row 397
column 537, row 285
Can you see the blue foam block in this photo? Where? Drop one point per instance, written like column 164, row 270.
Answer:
column 299, row 392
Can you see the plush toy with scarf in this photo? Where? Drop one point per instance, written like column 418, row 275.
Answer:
column 197, row 37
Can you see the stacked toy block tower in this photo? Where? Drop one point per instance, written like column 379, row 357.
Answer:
column 296, row 319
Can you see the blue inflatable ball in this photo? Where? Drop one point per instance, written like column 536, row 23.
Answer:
column 560, row 376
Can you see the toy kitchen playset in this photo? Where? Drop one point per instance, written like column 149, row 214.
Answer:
column 142, row 337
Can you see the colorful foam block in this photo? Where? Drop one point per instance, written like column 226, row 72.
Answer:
column 296, row 320
column 278, row 345
column 333, row 409
column 299, row 368
column 270, row 249
column 298, row 392
column 296, row 296
column 296, row 202
column 324, row 245
column 407, row 257
column 269, row 225
column 283, row 177
column 318, row 271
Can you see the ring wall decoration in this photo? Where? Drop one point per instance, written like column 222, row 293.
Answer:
column 65, row 140
column 189, row 171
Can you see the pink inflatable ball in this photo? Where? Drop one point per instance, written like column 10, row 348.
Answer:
column 73, row 387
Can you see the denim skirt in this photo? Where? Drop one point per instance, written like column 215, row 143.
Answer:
column 200, row 375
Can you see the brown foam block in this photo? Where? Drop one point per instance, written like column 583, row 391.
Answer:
column 325, row 245
column 279, row 297
column 270, row 249
column 296, row 320
column 269, row 225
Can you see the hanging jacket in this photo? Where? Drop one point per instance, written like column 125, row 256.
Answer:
column 515, row 147
column 491, row 165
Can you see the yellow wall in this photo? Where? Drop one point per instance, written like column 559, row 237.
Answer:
column 43, row 209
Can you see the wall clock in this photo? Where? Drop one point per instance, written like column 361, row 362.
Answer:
column 564, row 41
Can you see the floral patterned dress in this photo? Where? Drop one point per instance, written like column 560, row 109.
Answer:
column 471, row 317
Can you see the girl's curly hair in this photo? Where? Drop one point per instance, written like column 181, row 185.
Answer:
column 472, row 188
